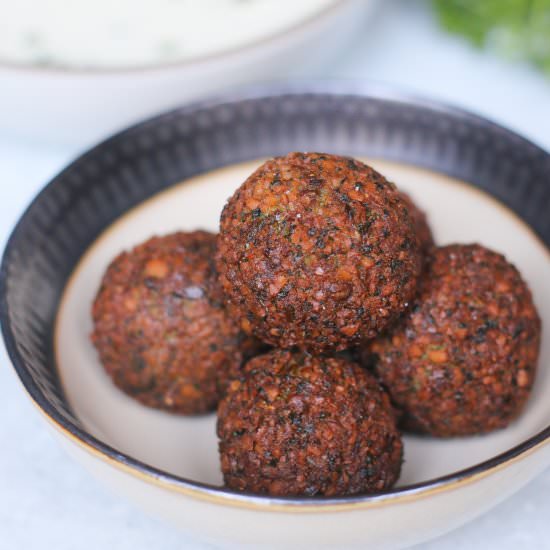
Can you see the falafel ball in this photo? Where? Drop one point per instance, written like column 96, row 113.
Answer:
column 420, row 222
column 160, row 326
column 295, row 424
column 462, row 361
column 317, row 251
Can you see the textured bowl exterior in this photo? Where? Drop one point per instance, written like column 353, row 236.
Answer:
column 79, row 203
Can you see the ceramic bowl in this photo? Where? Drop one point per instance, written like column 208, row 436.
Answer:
column 80, row 106
column 477, row 182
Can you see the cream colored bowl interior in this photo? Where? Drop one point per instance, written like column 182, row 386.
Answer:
column 187, row 446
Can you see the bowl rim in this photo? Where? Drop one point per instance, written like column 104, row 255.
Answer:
column 272, row 39
column 221, row 495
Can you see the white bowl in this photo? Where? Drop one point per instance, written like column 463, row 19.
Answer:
column 81, row 106
column 111, row 199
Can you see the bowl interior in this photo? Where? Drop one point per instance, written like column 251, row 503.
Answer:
column 187, row 446
column 157, row 35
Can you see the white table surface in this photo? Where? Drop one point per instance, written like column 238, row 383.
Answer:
column 47, row 501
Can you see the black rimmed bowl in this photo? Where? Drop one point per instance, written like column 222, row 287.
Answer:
column 477, row 182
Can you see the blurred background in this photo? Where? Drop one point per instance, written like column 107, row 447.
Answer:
column 73, row 72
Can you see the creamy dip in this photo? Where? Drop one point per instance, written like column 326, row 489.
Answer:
column 130, row 33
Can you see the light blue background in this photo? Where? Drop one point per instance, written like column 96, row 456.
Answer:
column 47, row 501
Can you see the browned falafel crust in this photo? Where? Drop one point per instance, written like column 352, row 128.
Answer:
column 463, row 360
column 161, row 328
column 317, row 251
column 295, row 424
column 420, row 223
